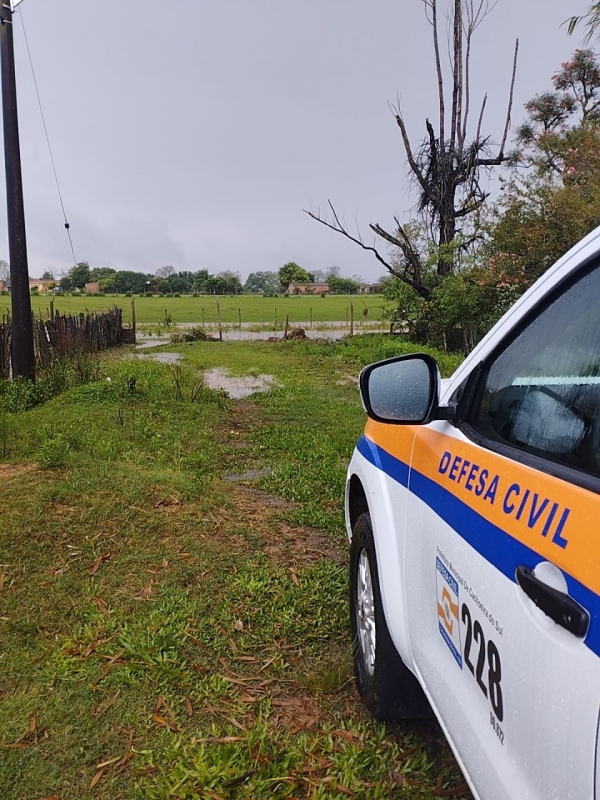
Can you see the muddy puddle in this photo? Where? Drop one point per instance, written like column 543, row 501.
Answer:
column 238, row 387
column 144, row 343
column 165, row 358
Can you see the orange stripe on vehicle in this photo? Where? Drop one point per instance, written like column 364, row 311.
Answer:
column 552, row 517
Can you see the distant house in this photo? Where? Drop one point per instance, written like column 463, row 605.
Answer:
column 40, row 285
column 369, row 288
column 308, row 288
column 92, row 288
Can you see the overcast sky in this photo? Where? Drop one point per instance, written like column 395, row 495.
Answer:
column 194, row 133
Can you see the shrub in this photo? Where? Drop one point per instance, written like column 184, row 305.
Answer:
column 53, row 450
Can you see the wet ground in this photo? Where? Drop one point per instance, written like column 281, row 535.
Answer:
column 248, row 332
column 238, row 387
column 165, row 358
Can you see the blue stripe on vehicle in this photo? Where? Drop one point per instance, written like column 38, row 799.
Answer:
column 392, row 466
column 497, row 546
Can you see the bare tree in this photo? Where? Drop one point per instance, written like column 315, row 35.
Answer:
column 165, row 272
column 446, row 166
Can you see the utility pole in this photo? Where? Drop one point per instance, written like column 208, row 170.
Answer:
column 23, row 359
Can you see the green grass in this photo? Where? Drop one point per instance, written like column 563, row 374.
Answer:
column 254, row 308
column 166, row 633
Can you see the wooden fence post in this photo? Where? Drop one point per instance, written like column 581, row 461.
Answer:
column 219, row 321
column 133, row 320
column 202, row 318
column 287, row 325
column 351, row 318
column 311, row 318
column 240, row 317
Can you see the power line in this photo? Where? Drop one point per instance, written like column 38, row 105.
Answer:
column 62, row 205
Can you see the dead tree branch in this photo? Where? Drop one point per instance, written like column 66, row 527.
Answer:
column 411, row 256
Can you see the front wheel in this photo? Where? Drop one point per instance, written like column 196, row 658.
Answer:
column 387, row 687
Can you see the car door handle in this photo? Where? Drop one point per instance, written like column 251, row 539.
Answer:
column 557, row 605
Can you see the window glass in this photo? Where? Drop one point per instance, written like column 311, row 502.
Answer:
column 542, row 393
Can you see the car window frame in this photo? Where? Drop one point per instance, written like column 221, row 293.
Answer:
column 471, row 397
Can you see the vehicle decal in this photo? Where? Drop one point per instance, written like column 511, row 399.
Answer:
column 448, row 614
column 510, row 513
column 471, row 633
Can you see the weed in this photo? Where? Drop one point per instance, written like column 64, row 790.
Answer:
column 53, row 449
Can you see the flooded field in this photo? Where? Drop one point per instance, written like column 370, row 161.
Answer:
column 152, row 336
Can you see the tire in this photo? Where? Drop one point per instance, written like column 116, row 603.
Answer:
column 388, row 688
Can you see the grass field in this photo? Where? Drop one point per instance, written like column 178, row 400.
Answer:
column 254, row 308
column 168, row 630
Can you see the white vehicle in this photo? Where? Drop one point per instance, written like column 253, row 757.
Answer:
column 473, row 510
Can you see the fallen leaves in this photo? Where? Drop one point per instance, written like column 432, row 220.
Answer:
column 170, row 504
column 99, row 709
column 119, row 762
column 97, row 778
column 165, row 723
column 298, row 713
column 112, row 661
column 27, row 738
column 97, row 563
column 101, row 606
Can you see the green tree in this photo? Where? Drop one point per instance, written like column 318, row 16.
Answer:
column 543, row 213
column 199, row 284
column 98, row 273
column 338, row 285
column 80, row 274
column 561, row 121
column 261, row 282
column 233, row 284
column 293, row 273
column 66, row 283
column 537, row 221
column 591, row 19
column 134, row 282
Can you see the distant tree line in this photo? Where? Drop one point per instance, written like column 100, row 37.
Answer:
column 167, row 280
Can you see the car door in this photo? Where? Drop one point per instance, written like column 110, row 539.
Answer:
column 501, row 559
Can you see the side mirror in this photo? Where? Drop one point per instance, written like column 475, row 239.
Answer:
column 402, row 390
